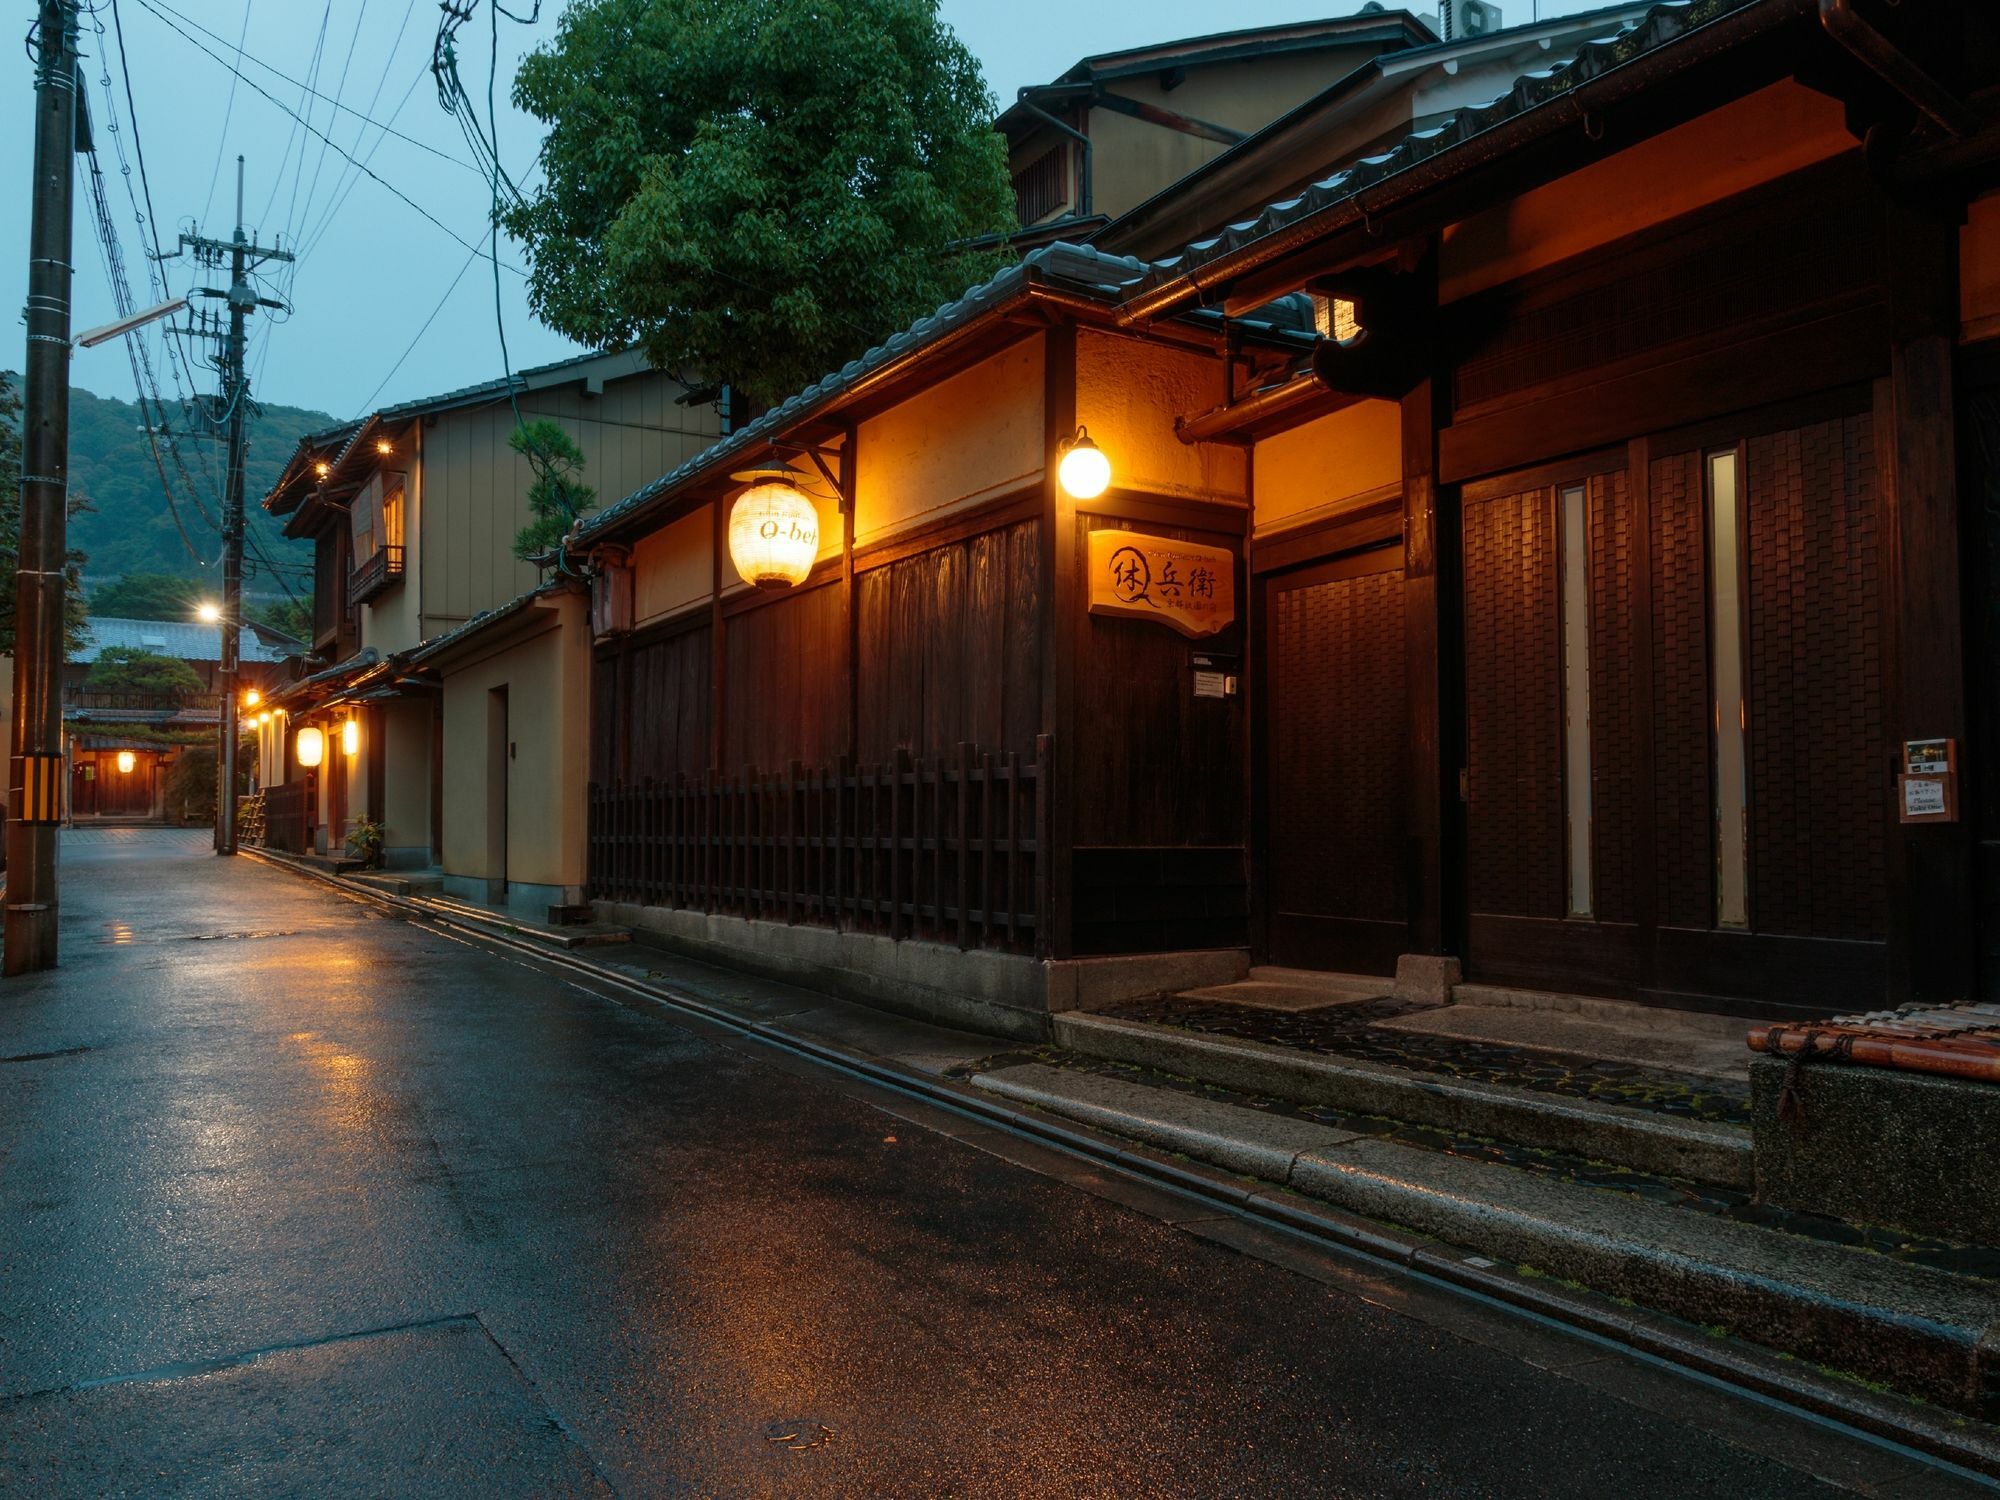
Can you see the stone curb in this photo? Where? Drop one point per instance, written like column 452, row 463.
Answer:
column 1974, row 1448
column 1699, row 1149
column 1917, row 1328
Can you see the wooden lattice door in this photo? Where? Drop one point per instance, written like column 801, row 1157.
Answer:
column 1336, row 880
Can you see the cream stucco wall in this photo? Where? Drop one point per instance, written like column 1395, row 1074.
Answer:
column 546, row 675
column 672, row 568
column 961, row 441
column 393, row 619
column 1756, row 139
column 405, row 727
column 1317, row 468
column 1128, row 394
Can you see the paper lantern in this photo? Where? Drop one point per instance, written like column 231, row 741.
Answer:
column 311, row 747
column 350, row 737
column 773, row 534
column 1083, row 469
column 126, row 761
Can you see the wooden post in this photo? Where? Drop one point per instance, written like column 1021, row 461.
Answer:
column 1930, row 864
column 1432, row 543
column 1063, row 625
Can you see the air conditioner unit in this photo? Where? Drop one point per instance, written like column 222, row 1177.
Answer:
column 1459, row 19
column 1475, row 18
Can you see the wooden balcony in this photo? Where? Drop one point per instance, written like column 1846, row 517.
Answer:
column 375, row 574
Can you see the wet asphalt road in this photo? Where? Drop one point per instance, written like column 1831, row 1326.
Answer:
column 296, row 1198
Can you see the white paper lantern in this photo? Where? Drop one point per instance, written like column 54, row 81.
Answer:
column 773, row 534
column 1083, row 469
column 311, row 747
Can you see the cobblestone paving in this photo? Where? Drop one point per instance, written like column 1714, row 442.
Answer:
column 1348, row 1030
column 1676, row 1192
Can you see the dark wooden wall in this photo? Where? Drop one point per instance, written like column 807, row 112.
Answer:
column 950, row 646
column 1159, row 774
column 784, row 683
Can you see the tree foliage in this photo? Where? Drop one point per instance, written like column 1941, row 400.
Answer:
column 74, row 607
column 133, row 669
column 146, row 596
column 557, row 495
column 756, row 190
column 292, row 617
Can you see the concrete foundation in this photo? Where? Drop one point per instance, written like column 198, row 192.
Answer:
column 1428, row 977
column 1877, row 1146
column 523, row 898
column 1005, row 994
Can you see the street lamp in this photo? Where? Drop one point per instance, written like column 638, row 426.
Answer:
column 1082, row 468
column 252, row 698
column 208, row 612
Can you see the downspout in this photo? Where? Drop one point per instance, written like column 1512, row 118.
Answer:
column 1895, row 67
column 1083, row 177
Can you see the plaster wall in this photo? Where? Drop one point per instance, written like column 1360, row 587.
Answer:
column 405, row 727
column 1778, row 130
column 971, row 438
column 1318, row 467
column 393, row 619
column 546, row 676
column 672, row 567
column 1979, row 270
column 1128, row 394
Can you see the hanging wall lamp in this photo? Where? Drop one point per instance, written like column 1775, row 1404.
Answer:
column 350, row 737
column 311, row 747
column 773, row 528
column 126, row 761
column 1081, row 467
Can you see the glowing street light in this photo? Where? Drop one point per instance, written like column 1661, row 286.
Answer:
column 208, row 612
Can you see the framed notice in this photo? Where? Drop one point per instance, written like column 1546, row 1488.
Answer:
column 1182, row 585
column 1927, row 791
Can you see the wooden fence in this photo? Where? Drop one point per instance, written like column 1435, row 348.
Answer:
column 285, row 826
column 947, row 849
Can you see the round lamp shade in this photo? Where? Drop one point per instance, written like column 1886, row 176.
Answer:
column 1084, row 471
column 126, row 761
column 773, row 535
column 311, row 747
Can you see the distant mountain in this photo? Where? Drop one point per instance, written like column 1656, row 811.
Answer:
column 130, row 529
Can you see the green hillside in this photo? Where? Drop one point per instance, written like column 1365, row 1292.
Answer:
column 129, row 529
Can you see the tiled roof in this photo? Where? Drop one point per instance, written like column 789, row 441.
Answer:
column 1076, row 267
column 1591, row 59
column 189, row 642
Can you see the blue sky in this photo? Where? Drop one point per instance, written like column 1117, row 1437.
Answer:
column 379, row 257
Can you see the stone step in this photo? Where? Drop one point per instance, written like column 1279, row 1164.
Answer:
column 1924, row 1331
column 400, row 882
column 1641, row 1139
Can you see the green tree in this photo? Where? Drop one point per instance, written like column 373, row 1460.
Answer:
column 75, row 609
column 557, row 495
column 756, row 189
column 292, row 617
column 146, row 596
column 133, row 669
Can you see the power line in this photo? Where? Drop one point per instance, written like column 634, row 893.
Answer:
column 394, row 191
column 347, row 174
column 228, row 109
column 158, row 6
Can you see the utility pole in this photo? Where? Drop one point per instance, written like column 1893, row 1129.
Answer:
column 35, row 766
column 245, row 256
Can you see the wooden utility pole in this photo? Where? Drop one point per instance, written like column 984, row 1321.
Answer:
column 244, row 256
column 35, row 766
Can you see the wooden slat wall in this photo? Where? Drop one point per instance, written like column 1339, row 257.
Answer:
column 1615, row 731
column 1683, row 786
column 949, row 646
column 786, row 693
column 1818, row 758
column 1513, row 672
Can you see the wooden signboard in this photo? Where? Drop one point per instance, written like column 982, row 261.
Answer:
column 1184, row 585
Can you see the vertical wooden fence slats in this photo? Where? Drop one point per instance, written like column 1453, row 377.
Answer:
column 945, row 849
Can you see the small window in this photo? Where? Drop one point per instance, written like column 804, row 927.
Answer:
column 392, row 518
column 1575, row 541
column 1728, row 713
column 1042, row 187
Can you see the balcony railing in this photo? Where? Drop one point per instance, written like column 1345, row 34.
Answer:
column 375, row 574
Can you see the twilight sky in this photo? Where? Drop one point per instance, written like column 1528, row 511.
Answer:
column 375, row 266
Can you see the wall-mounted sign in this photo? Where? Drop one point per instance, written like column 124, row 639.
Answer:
column 1929, row 783
column 1182, row 584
